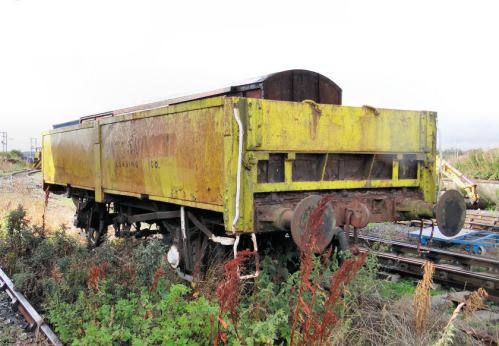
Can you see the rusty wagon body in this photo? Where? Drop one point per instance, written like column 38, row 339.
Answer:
column 250, row 159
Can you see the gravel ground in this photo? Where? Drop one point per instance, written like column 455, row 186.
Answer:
column 12, row 325
column 391, row 231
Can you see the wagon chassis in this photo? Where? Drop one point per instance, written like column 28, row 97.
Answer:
column 128, row 215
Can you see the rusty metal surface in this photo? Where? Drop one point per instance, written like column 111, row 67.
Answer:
column 481, row 219
column 187, row 153
column 382, row 205
column 68, row 157
column 465, row 260
column 291, row 85
column 299, row 85
column 447, row 274
column 450, row 213
column 321, row 128
column 300, row 223
column 179, row 156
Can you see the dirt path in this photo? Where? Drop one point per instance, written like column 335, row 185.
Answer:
column 27, row 191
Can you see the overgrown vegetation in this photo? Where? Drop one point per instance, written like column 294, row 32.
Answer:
column 124, row 293
column 11, row 161
column 475, row 163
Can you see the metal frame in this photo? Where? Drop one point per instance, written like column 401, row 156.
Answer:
column 475, row 242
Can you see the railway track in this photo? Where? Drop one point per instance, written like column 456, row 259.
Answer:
column 475, row 219
column 32, row 317
column 482, row 220
column 451, row 268
column 24, row 172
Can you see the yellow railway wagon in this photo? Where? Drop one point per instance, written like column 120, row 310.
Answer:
column 253, row 159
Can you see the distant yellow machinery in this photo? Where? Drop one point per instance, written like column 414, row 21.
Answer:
column 463, row 182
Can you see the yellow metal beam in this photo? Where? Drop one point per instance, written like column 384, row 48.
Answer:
column 333, row 185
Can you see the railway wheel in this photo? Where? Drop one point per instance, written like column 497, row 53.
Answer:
column 318, row 233
column 95, row 237
column 96, row 226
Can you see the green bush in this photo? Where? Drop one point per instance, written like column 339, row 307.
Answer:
column 478, row 163
column 121, row 292
column 166, row 316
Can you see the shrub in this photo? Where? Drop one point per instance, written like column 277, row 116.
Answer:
column 478, row 163
column 152, row 318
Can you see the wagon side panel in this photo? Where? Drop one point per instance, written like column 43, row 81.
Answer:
column 172, row 157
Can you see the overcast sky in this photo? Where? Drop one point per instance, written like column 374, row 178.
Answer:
column 63, row 59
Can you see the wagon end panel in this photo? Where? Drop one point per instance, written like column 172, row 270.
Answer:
column 378, row 162
column 312, row 127
column 309, row 146
column 68, row 157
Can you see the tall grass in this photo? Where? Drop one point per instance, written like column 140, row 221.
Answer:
column 11, row 162
column 124, row 293
column 479, row 163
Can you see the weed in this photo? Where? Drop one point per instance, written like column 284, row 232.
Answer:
column 422, row 302
column 313, row 313
column 478, row 163
column 123, row 293
column 475, row 301
column 472, row 303
column 229, row 290
column 16, row 221
column 397, row 290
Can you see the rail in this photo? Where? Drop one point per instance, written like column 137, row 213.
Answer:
column 35, row 321
column 19, row 173
column 463, row 259
column 26, row 171
column 450, row 274
column 482, row 220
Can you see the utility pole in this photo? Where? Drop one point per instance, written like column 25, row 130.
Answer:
column 34, row 147
column 3, row 136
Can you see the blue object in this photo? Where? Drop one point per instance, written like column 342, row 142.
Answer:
column 67, row 123
column 474, row 241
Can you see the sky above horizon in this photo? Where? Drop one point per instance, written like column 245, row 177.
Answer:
column 62, row 59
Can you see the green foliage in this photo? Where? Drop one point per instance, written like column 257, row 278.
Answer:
column 148, row 257
column 16, row 220
column 264, row 315
column 478, row 163
column 122, row 293
column 12, row 162
column 447, row 336
column 13, row 155
column 55, row 273
column 167, row 316
column 394, row 290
